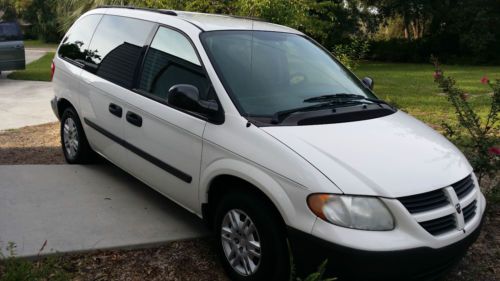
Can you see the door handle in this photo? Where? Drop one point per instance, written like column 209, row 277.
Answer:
column 134, row 119
column 115, row 110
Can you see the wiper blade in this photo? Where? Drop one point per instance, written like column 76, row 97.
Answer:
column 280, row 115
column 330, row 97
column 326, row 101
column 343, row 97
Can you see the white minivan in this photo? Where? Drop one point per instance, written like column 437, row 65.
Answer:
column 257, row 129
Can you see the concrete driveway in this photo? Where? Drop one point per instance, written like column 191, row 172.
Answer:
column 25, row 103
column 78, row 208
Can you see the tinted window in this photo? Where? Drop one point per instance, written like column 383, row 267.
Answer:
column 172, row 60
column 117, row 48
column 75, row 45
column 10, row 31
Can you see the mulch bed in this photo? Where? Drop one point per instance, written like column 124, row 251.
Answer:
column 31, row 145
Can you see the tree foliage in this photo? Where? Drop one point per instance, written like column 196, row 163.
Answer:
column 449, row 29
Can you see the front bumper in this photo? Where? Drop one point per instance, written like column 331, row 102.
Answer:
column 421, row 263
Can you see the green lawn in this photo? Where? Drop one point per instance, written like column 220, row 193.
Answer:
column 38, row 70
column 39, row 44
column 412, row 88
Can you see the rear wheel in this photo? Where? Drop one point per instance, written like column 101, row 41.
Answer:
column 74, row 143
column 250, row 240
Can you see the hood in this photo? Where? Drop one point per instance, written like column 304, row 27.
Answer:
column 391, row 156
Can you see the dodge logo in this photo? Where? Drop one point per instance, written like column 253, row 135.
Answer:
column 458, row 208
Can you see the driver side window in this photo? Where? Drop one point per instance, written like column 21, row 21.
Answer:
column 171, row 60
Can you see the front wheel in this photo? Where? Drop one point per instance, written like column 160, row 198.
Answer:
column 250, row 239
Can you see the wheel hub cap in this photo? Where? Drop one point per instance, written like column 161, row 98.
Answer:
column 70, row 137
column 241, row 242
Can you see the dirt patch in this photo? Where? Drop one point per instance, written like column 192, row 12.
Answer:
column 185, row 260
column 482, row 261
column 31, row 145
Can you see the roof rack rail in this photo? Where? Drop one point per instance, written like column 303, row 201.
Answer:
column 165, row 12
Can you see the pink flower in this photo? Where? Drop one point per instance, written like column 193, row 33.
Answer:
column 485, row 80
column 494, row 150
column 437, row 74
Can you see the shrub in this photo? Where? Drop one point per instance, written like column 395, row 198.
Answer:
column 478, row 138
column 351, row 54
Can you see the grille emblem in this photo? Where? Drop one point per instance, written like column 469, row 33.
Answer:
column 458, row 207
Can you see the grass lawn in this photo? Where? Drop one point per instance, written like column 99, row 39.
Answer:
column 38, row 70
column 39, row 44
column 411, row 87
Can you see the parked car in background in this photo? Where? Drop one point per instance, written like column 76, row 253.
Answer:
column 12, row 56
column 260, row 131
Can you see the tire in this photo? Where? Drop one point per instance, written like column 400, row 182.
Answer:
column 270, row 261
column 74, row 142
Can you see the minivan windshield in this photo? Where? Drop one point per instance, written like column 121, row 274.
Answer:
column 269, row 72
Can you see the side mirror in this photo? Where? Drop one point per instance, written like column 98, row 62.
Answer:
column 187, row 97
column 368, row 82
column 184, row 97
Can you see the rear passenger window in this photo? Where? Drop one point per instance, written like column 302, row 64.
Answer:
column 10, row 31
column 75, row 45
column 172, row 60
column 117, row 47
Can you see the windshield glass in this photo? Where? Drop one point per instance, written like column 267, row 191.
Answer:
column 268, row 72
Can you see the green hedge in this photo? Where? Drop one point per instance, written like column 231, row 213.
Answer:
column 447, row 49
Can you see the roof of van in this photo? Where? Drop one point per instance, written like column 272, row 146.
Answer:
column 210, row 22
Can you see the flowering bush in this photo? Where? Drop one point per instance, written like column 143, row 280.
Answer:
column 477, row 137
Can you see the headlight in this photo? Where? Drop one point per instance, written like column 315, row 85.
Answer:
column 365, row 213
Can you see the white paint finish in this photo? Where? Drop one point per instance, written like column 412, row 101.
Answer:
column 287, row 196
column 67, row 81
column 96, row 95
column 68, row 206
column 264, row 152
column 391, row 156
column 173, row 137
column 211, row 22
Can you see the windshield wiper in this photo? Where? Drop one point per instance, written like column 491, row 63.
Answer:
column 326, row 101
column 280, row 115
column 344, row 97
